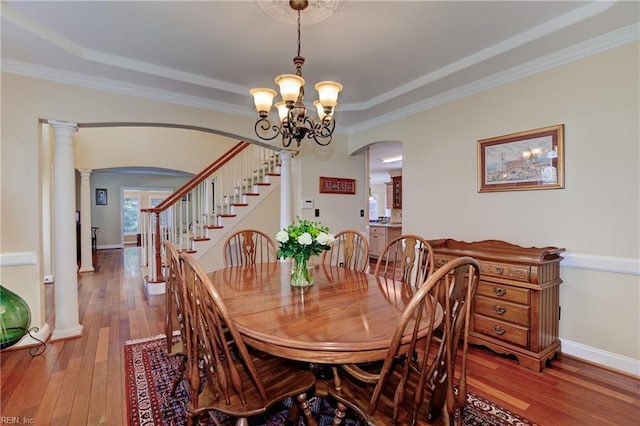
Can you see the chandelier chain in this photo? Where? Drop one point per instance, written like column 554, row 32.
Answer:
column 298, row 33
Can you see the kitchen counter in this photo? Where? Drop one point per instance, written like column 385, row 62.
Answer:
column 386, row 225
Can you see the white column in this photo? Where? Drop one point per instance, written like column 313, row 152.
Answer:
column 64, row 230
column 86, row 253
column 285, row 189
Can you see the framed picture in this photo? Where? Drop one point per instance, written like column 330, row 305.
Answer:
column 101, row 196
column 332, row 185
column 522, row 161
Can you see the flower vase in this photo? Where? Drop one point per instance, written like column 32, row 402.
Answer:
column 300, row 273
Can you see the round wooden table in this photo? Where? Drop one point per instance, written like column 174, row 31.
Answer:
column 344, row 317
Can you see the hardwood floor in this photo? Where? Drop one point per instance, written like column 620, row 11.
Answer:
column 80, row 381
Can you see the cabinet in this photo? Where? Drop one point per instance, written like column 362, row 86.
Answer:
column 516, row 307
column 389, row 195
column 396, row 182
column 379, row 236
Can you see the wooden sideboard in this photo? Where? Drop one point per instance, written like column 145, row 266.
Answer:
column 516, row 310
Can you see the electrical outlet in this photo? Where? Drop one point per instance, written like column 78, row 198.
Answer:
column 48, row 279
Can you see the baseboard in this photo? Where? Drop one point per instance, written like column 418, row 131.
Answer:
column 39, row 336
column 109, row 246
column 598, row 356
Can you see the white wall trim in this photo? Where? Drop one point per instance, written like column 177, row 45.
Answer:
column 18, row 258
column 621, row 265
column 42, row 334
column 598, row 356
column 564, row 56
column 109, row 246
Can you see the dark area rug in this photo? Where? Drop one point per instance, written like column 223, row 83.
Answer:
column 149, row 373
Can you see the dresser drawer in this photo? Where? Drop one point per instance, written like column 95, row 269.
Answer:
column 503, row 310
column 504, row 331
column 511, row 272
column 503, row 292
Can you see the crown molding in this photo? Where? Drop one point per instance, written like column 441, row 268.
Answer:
column 611, row 40
column 503, row 46
column 84, row 80
column 578, row 51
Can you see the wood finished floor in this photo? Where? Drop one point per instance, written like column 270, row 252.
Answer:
column 80, row 381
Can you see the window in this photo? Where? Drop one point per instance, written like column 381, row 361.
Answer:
column 130, row 215
column 373, row 207
column 164, row 215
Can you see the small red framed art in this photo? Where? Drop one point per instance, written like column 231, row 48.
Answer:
column 333, row 185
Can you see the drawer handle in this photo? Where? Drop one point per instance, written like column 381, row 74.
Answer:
column 499, row 291
column 499, row 269
column 499, row 330
column 499, row 310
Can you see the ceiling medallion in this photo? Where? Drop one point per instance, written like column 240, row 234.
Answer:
column 317, row 11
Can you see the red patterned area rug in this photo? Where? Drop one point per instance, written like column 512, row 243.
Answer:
column 149, row 373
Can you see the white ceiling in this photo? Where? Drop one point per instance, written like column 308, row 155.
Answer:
column 393, row 57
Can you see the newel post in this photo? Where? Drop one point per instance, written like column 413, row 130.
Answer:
column 159, row 277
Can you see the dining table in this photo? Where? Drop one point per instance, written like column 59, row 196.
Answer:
column 345, row 316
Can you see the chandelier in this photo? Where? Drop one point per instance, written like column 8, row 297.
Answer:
column 295, row 123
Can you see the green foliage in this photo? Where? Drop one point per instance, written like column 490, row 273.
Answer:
column 303, row 239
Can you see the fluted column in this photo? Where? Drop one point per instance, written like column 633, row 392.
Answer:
column 64, row 230
column 285, row 189
column 86, row 253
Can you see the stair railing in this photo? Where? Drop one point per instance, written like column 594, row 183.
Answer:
column 203, row 202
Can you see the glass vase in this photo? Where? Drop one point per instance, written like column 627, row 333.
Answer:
column 300, row 273
column 15, row 317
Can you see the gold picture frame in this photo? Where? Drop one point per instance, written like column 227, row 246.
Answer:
column 528, row 160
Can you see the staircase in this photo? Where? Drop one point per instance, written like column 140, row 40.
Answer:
column 198, row 215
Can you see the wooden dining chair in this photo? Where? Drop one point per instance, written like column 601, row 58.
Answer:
column 248, row 247
column 223, row 374
column 408, row 258
column 397, row 392
column 174, row 312
column 349, row 250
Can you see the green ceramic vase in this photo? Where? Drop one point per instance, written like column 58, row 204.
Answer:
column 15, row 318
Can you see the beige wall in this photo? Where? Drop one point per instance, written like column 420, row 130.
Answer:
column 337, row 211
column 177, row 149
column 596, row 216
column 26, row 102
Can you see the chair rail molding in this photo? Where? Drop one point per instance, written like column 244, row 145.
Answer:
column 18, row 258
column 621, row 265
